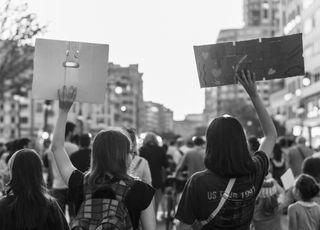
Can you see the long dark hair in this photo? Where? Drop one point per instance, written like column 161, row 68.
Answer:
column 307, row 187
column 227, row 151
column 277, row 152
column 27, row 189
column 110, row 151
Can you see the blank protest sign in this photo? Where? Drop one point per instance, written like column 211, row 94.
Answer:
column 79, row 64
column 269, row 58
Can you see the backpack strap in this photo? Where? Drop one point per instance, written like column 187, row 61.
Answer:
column 224, row 198
column 137, row 165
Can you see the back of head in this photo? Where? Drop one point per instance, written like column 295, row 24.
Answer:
column 301, row 140
column 70, row 127
column 150, row 139
column 277, row 152
column 110, row 151
column 227, row 151
column 198, row 141
column 307, row 186
column 27, row 186
column 311, row 166
column 85, row 140
column 268, row 197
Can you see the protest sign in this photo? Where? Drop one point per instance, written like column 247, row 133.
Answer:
column 287, row 179
column 79, row 64
column 269, row 58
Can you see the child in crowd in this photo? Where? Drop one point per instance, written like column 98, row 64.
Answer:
column 305, row 213
column 106, row 189
column 27, row 204
column 268, row 209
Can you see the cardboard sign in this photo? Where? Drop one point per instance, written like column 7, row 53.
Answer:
column 287, row 179
column 79, row 64
column 269, row 58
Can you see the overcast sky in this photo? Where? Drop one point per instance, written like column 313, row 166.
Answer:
column 157, row 35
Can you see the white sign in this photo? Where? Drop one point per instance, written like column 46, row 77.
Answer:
column 79, row 64
column 287, row 179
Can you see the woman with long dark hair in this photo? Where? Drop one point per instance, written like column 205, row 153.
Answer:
column 107, row 179
column 27, row 204
column 223, row 196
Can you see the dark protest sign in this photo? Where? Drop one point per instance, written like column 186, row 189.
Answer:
column 269, row 58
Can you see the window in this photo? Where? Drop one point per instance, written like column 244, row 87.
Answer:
column 13, row 119
column 13, row 132
column 39, row 107
column 24, row 120
column 1, row 119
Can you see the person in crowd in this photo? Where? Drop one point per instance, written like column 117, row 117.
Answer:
column 27, row 204
column 59, row 187
column 305, row 213
column 139, row 166
column 193, row 160
column 156, row 157
column 278, row 163
column 81, row 158
column 268, row 208
column 4, row 171
column 297, row 154
column 18, row 144
column 254, row 144
column 46, row 152
column 174, row 154
column 110, row 159
column 229, row 167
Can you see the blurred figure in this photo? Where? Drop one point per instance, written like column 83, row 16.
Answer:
column 139, row 166
column 27, row 204
column 268, row 208
column 297, row 154
column 174, row 154
column 278, row 163
column 156, row 157
column 305, row 213
column 46, row 162
column 193, row 160
column 81, row 158
column 4, row 171
column 254, row 144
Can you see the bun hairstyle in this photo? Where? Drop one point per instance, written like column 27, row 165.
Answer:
column 307, row 187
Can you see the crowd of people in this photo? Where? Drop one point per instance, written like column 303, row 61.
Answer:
column 116, row 180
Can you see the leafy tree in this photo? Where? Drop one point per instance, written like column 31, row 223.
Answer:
column 17, row 29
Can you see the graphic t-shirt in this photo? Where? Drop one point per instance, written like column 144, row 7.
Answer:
column 137, row 200
column 204, row 190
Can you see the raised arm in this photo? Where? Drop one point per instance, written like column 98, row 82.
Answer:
column 66, row 98
column 270, row 134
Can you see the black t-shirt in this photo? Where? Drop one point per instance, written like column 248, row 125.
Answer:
column 203, row 192
column 54, row 220
column 81, row 159
column 156, row 157
column 137, row 200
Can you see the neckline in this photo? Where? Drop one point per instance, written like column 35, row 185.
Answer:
column 307, row 204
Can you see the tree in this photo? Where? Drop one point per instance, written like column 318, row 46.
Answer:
column 17, row 29
column 245, row 113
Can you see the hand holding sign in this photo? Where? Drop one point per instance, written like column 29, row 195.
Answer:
column 66, row 97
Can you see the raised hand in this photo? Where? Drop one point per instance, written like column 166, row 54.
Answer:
column 248, row 81
column 66, row 97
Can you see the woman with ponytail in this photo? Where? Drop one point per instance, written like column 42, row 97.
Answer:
column 27, row 204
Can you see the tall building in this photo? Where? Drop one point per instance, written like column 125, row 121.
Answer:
column 158, row 118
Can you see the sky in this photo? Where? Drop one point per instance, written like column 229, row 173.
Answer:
column 159, row 35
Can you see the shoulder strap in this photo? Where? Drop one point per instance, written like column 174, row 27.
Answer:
column 225, row 196
column 301, row 153
column 137, row 165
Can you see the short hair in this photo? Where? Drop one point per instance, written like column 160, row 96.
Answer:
column 227, row 152
column 85, row 140
column 70, row 127
column 254, row 143
column 307, row 187
column 198, row 141
column 301, row 140
column 311, row 167
column 150, row 139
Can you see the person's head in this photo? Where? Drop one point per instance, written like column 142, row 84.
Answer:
column 198, row 141
column 268, row 197
column 227, row 151
column 306, row 187
column 301, row 140
column 85, row 140
column 311, row 166
column 46, row 143
column 277, row 152
column 110, row 155
column 150, row 139
column 253, row 144
column 70, row 127
column 23, row 143
column 27, row 187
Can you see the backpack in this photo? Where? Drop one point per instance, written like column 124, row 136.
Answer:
column 104, row 209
